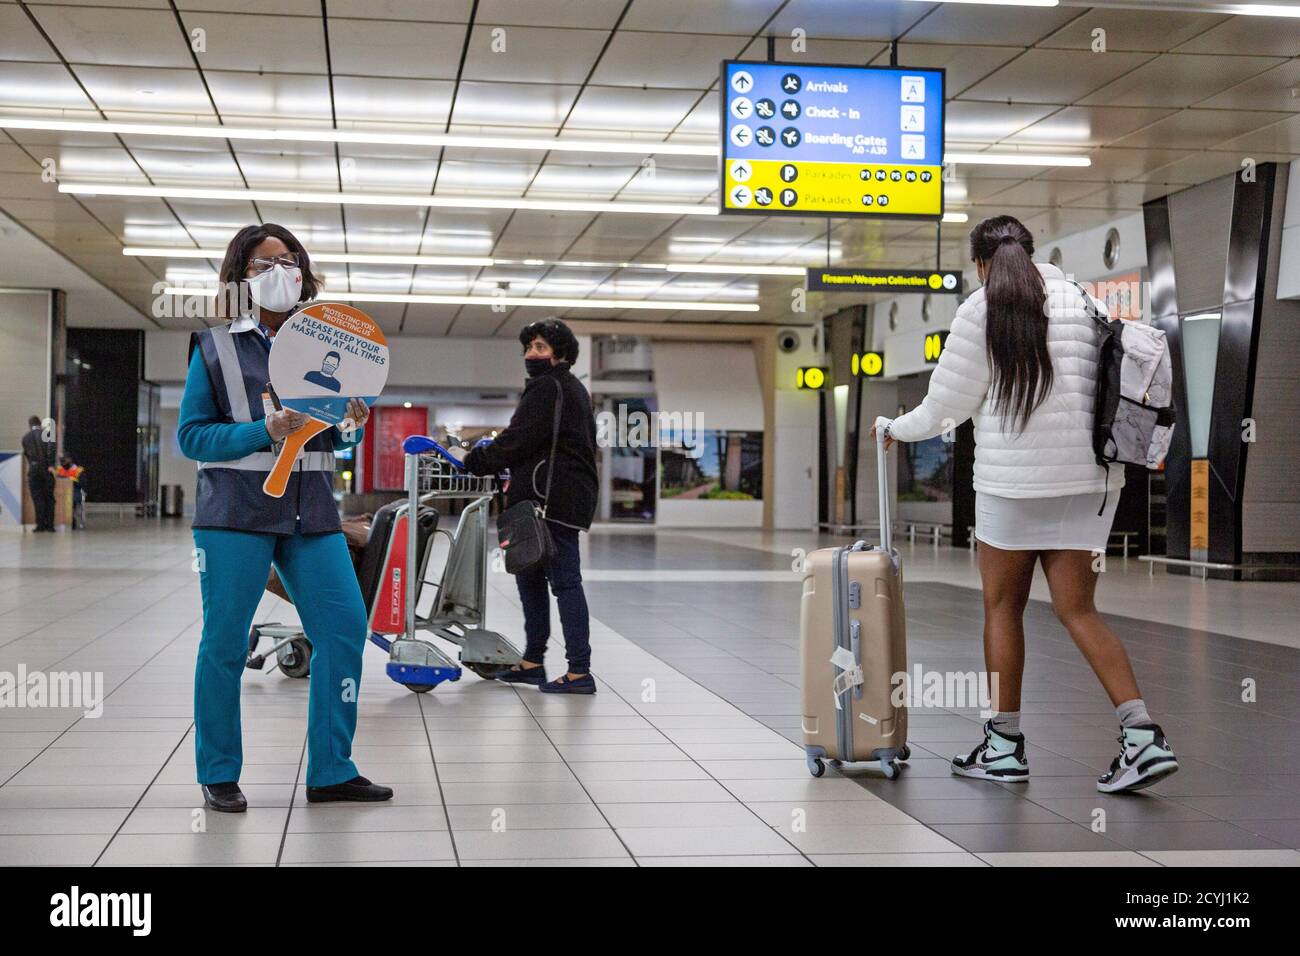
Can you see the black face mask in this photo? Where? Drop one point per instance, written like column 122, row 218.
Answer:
column 537, row 366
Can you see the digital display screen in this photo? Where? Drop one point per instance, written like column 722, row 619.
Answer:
column 831, row 140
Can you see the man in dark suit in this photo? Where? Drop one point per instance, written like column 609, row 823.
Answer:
column 40, row 453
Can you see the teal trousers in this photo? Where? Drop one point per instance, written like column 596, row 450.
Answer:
column 318, row 574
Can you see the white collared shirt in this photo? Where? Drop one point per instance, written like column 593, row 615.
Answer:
column 246, row 323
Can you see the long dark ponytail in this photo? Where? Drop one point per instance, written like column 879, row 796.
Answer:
column 1015, row 318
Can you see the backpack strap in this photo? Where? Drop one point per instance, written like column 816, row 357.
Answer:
column 1092, row 309
column 555, row 438
column 1107, row 332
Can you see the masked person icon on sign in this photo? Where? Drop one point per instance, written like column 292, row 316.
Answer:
column 231, row 426
column 325, row 376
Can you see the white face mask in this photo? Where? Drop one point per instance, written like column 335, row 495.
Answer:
column 276, row 290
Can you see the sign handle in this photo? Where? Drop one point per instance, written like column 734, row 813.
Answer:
column 278, row 479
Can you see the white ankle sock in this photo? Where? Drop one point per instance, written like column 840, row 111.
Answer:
column 1131, row 713
column 1007, row 723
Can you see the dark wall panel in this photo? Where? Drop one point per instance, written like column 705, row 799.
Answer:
column 1164, row 316
column 101, row 395
column 1234, row 376
column 1183, row 242
column 963, row 484
column 1271, row 498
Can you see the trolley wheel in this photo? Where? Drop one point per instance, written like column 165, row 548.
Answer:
column 295, row 657
column 486, row 671
column 890, row 768
column 816, row 767
column 419, row 688
column 905, row 753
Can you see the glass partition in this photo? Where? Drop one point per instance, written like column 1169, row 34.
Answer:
column 1200, row 355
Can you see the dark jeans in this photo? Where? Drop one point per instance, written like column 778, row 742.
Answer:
column 564, row 574
column 41, row 485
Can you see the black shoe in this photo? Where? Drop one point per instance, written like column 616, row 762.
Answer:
column 519, row 674
column 358, row 788
column 1145, row 757
column 224, row 797
column 586, row 684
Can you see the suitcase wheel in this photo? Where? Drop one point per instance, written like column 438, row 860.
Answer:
column 905, row 753
column 815, row 766
column 890, row 768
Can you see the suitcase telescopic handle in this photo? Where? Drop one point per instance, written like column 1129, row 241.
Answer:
column 882, row 483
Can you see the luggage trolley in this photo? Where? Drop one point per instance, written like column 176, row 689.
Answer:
column 460, row 595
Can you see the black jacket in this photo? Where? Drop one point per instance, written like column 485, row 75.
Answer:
column 39, row 453
column 525, row 443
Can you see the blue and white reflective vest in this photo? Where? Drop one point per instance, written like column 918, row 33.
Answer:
column 229, row 493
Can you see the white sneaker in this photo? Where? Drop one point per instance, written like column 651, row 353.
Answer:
column 999, row 757
column 1145, row 757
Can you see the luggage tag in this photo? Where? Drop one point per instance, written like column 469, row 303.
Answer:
column 850, row 674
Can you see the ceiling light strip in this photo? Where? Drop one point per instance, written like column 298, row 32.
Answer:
column 508, row 300
column 1016, row 159
column 710, row 268
column 385, row 199
column 469, row 142
column 363, row 137
column 354, row 258
column 1000, row 3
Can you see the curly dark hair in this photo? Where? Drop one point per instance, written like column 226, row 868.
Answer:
column 556, row 334
column 235, row 265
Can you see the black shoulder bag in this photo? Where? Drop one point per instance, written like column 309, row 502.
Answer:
column 521, row 528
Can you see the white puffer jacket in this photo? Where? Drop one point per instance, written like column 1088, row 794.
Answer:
column 1052, row 457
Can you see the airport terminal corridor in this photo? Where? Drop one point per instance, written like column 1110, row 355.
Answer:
column 649, row 434
column 690, row 753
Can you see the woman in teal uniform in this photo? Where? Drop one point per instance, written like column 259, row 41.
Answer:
column 228, row 427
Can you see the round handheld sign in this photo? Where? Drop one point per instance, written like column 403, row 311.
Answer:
column 321, row 357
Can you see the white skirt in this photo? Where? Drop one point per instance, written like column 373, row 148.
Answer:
column 1068, row 523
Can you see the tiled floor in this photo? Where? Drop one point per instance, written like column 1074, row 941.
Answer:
column 739, row 641
column 681, row 759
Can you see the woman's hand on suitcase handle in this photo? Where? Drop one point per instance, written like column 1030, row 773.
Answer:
column 889, row 439
column 282, row 423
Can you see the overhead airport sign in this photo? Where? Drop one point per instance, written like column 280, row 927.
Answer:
column 812, row 139
column 869, row 364
column 810, row 377
column 932, row 346
column 939, row 282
